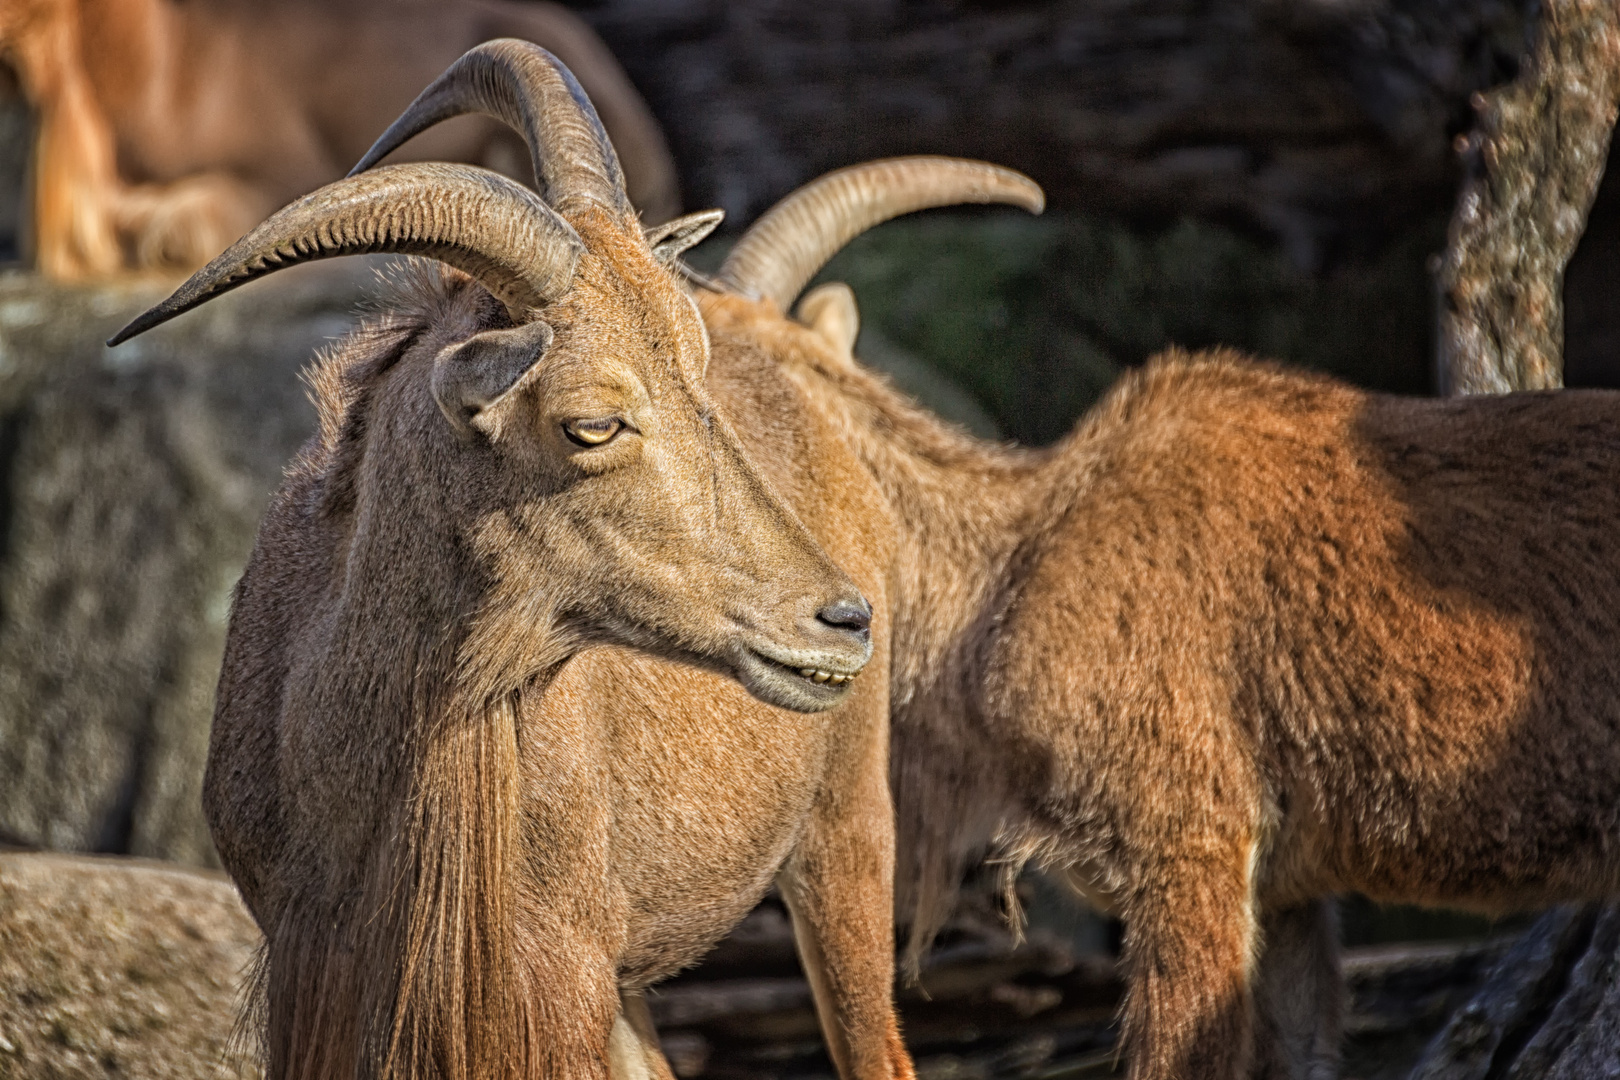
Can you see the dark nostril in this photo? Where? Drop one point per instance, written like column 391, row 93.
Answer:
column 848, row 614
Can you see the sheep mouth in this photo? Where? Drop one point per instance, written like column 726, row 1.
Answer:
column 819, row 676
column 798, row 686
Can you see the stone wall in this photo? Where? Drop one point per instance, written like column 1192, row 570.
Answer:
column 131, row 483
column 120, row 967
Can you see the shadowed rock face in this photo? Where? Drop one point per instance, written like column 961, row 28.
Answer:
column 116, row 966
column 131, row 482
column 1323, row 124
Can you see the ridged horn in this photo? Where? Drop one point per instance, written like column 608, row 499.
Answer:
column 783, row 250
column 532, row 91
column 478, row 221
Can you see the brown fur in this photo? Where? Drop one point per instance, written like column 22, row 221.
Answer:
column 465, row 814
column 168, row 128
column 1247, row 638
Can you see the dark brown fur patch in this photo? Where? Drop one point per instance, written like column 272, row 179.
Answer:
column 1249, row 637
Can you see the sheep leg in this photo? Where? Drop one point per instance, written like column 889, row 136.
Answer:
column 583, row 1034
column 1190, row 933
column 633, row 1050
column 850, row 964
column 839, row 887
column 1299, row 994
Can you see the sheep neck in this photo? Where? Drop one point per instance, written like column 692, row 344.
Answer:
column 963, row 506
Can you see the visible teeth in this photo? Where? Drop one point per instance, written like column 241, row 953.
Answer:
column 820, row 676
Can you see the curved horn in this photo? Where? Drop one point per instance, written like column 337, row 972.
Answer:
column 495, row 229
column 532, row 91
column 782, row 251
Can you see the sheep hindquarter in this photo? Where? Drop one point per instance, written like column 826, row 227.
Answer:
column 1303, row 640
column 1247, row 638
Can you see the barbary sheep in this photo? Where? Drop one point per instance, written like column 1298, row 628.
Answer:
column 481, row 761
column 1245, row 639
column 167, row 128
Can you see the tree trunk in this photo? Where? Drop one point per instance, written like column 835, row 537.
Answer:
column 1549, row 1011
column 1534, row 163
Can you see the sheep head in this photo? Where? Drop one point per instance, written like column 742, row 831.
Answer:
column 563, row 440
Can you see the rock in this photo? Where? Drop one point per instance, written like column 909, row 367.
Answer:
column 120, row 967
column 131, row 484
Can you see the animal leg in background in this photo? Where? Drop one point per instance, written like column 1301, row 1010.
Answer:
column 1299, row 994
column 75, row 167
column 142, row 162
column 88, row 222
column 839, row 888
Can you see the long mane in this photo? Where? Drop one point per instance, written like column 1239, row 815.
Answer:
column 409, row 967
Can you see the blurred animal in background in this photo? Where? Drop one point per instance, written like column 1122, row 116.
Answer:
column 481, row 761
column 168, row 128
column 1247, row 638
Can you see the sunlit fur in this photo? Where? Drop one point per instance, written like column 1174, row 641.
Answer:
column 168, row 128
column 466, row 816
column 1247, row 638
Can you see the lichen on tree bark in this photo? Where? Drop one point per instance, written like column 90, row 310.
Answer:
column 1533, row 165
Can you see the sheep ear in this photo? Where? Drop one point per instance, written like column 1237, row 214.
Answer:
column 831, row 312
column 472, row 375
column 673, row 237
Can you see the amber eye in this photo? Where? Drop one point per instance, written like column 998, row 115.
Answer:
column 593, row 432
